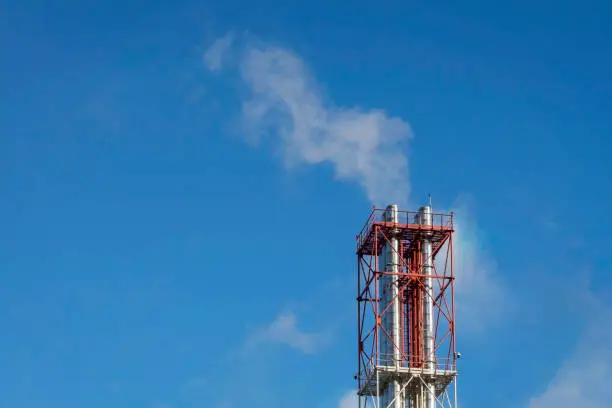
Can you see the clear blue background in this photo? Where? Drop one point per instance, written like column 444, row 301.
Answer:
column 141, row 242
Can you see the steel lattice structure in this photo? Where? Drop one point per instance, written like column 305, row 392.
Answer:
column 406, row 311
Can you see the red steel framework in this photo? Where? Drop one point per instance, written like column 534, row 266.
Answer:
column 412, row 292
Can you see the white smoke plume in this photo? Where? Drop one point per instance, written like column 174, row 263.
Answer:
column 480, row 295
column 349, row 400
column 215, row 55
column 366, row 146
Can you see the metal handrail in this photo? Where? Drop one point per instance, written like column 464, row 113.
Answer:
column 404, row 217
column 442, row 364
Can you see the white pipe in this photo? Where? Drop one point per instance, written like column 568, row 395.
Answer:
column 428, row 315
column 393, row 391
column 397, row 355
column 455, row 392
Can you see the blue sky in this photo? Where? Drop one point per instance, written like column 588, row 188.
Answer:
column 172, row 239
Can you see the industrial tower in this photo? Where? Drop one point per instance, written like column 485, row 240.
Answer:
column 406, row 311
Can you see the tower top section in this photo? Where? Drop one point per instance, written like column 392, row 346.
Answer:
column 411, row 225
column 406, row 310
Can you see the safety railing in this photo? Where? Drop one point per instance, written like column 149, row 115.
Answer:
column 404, row 217
column 389, row 360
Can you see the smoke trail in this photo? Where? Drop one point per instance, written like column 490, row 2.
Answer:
column 480, row 295
column 285, row 102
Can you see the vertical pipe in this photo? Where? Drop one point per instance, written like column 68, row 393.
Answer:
column 377, row 389
column 377, row 314
column 394, row 268
column 455, row 392
column 376, row 300
column 426, row 219
column 392, row 319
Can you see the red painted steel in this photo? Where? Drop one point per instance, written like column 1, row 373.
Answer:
column 371, row 310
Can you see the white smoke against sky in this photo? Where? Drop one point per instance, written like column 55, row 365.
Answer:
column 480, row 297
column 367, row 146
column 214, row 57
column 349, row 400
column 285, row 102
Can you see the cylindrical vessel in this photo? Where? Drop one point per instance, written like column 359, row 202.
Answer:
column 426, row 218
column 391, row 351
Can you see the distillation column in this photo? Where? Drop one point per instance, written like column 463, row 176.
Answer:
column 389, row 350
column 398, row 356
column 425, row 217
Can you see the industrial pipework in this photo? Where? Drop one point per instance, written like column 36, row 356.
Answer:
column 406, row 344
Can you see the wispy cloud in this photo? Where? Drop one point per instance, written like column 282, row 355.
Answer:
column 480, row 295
column 284, row 330
column 584, row 378
column 349, row 400
column 216, row 53
column 285, row 102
